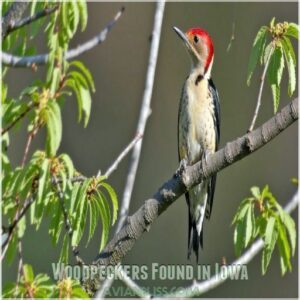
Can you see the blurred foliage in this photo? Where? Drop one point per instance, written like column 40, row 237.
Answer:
column 40, row 286
column 48, row 180
column 260, row 215
column 272, row 56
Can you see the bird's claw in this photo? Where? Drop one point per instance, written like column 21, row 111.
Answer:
column 182, row 166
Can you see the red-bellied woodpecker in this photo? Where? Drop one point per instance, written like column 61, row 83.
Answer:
column 198, row 128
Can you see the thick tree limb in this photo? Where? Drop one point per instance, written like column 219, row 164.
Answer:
column 38, row 60
column 12, row 16
column 176, row 186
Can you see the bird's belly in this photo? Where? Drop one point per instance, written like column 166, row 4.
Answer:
column 201, row 134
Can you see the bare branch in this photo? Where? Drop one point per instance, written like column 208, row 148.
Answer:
column 176, row 186
column 38, row 60
column 122, row 155
column 12, row 16
column 144, row 114
column 26, row 21
column 262, row 82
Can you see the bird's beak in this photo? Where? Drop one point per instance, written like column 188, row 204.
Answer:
column 189, row 46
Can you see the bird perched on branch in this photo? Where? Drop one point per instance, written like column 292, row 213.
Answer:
column 198, row 128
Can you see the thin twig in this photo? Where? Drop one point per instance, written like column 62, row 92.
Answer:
column 31, row 136
column 22, row 115
column 122, row 155
column 232, row 38
column 67, row 222
column 26, row 21
column 262, row 82
column 144, row 114
column 38, row 60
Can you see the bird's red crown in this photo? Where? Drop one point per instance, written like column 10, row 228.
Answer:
column 199, row 33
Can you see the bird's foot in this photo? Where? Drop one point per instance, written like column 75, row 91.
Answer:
column 206, row 154
column 182, row 166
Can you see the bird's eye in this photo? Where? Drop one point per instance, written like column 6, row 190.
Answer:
column 196, row 39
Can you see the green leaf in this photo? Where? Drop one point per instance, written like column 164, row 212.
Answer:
column 74, row 197
column 293, row 30
column 66, row 160
column 114, row 199
column 241, row 210
column 86, row 100
column 249, row 226
column 55, row 81
column 93, row 219
column 270, row 239
column 85, row 71
column 272, row 22
column 12, row 249
column 290, row 226
column 257, row 51
column 268, row 52
column 276, row 66
column 276, row 96
column 42, row 182
column 255, row 192
column 104, row 213
column 54, row 127
column 284, row 249
column 275, row 71
column 28, row 273
column 83, row 13
column 291, row 64
column 64, row 254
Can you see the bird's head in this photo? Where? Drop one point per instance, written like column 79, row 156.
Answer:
column 200, row 47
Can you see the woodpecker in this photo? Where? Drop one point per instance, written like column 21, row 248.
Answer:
column 198, row 128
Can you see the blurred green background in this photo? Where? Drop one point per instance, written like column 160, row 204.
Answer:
column 119, row 66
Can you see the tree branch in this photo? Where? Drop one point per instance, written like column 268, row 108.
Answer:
column 176, row 186
column 38, row 60
column 145, row 112
column 26, row 21
column 12, row 16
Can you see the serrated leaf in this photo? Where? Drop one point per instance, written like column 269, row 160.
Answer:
column 249, row 226
column 64, row 254
column 104, row 216
column 276, row 96
column 54, row 127
column 55, row 81
column 293, row 30
column 284, row 249
column 66, row 160
column 276, row 66
column 241, row 210
column 83, row 13
column 290, row 226
column 85, row 71
column 255, row 192
column 113, row 198
column 256, row 51
column 268, row 52
column 271, row 235
column 93, row 219
column 291, row 64
column 74, row 197
column 42, row 182
column 28, row 273
column 86, row 101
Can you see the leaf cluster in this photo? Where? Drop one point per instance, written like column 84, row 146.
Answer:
column 260, row 215
column 275, row 54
